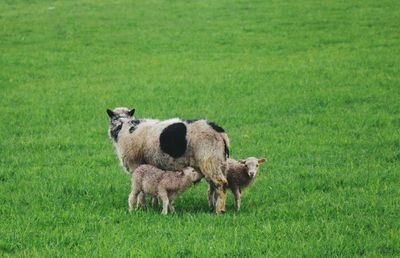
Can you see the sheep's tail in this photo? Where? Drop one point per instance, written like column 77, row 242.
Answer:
column 226, row 144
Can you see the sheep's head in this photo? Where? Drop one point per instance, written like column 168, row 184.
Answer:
column 118, row 116
column 120, row 112
column 251, row 164
column 193, row 174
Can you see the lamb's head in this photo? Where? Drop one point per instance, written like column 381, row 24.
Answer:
column 193, row 174
column 252, row 165
column 118, row 116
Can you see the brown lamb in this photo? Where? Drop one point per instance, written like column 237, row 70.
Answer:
column 240, row 174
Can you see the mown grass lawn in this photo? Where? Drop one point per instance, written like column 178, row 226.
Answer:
column 313, row 86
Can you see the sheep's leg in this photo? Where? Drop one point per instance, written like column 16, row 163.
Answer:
column 212, row 198
column 237, row 194
column 164, row 197
column 221, row 183
column 221, row 199
column 132, row 198
column 215, row 197
column 211, row 195
column 215, row 171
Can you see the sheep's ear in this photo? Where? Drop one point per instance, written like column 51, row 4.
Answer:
column 242, row 161
column 260, row 161
column 131, row 112
column 110, row 113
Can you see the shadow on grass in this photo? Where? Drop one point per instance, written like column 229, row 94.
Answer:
column 110, row 199
column 180, row 208
column 192, row 206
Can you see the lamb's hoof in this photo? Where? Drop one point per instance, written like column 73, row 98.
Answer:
column 142, row 207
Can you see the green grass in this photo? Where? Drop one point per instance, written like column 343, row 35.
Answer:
column 313, row 86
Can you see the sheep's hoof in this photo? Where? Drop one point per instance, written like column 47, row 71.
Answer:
column 222, row 211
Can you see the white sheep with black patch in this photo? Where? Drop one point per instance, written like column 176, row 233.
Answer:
column 172, row 145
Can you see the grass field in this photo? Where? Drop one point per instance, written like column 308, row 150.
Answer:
column 314, row 86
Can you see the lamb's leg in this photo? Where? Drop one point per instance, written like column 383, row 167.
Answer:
column 164, row 197
column 154, row 201
column 171, row 205
column 132, row 198
column 141, row 200
column 237, row 194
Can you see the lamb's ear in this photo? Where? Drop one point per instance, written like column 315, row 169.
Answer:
column 131, row 112
column 260, row 161
column 242, row 161
column 110, row 113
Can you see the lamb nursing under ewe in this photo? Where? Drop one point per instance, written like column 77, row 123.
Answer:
column 166, row 185
column 172, row 145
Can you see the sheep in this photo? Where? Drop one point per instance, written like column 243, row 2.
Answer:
column 240, row 174
column 172, row 145
column 166, row 185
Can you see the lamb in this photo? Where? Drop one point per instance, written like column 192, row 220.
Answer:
column 172, row 145
column 166, row 185
column 240, row 174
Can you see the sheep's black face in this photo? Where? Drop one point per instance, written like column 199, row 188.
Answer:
column 118, row 117
column 114, row 129
column 121, row 112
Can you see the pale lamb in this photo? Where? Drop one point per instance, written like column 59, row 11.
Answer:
column 166, row 185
